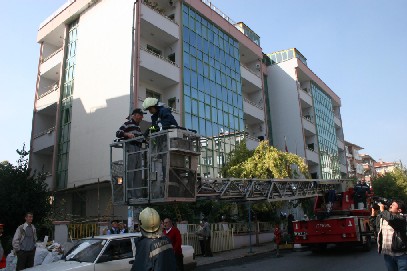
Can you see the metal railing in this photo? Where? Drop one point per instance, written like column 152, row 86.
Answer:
column 159, row 56
column 48, row 131
column 251, row 71
column 50, row 90
column 253, row 103
column 51, row 55
column 253, row 37
column 159, row 11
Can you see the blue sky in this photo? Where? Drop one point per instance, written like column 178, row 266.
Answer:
column 356, row 47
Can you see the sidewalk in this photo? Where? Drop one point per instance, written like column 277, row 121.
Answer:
column 235, row 254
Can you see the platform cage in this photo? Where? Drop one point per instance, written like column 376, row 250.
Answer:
column 159, row 169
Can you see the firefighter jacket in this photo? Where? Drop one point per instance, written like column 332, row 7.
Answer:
column 154, row 255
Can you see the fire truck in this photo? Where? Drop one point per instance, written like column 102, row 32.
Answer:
column 336, row 221
column 162, row 169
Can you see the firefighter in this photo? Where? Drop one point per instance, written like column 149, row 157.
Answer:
column 153, row 251
column 161, row 117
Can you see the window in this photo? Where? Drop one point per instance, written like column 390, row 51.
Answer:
column 154, row 50
column 119, row 249
column 172, row 103
column 152, row 94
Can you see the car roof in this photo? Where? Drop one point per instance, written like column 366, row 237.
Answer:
column 116, row 236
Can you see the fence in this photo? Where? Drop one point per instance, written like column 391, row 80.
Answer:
column 222, row 234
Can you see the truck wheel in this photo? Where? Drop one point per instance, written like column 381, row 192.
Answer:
column 368, row 245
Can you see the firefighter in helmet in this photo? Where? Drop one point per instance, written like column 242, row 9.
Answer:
column 161, row 117
column 153, row 251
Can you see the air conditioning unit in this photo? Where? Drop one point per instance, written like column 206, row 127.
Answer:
column 258, row 66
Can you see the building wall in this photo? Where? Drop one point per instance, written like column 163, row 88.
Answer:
column 102, row 87
column 284, row 107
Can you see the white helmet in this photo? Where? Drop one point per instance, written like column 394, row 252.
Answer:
column 149, row 102
column 149, row 220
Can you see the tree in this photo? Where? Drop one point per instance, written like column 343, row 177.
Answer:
column 268, row 162
column 392, row 185
column 265, row 162
column 22, row 190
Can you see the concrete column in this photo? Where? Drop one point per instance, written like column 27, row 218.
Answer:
column 61, row 231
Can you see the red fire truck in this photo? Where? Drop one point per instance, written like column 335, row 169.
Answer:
column 336, row 221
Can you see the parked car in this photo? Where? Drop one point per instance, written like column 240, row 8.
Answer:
column 106, row 253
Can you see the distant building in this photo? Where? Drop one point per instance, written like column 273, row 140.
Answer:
column 355, row 167
column 384, row 167
column 305, row 115
column 369, row 171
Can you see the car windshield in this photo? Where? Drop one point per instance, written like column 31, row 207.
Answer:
column 86, row 250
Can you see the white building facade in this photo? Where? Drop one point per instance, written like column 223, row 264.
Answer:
column 99, row 59
column 305, row 115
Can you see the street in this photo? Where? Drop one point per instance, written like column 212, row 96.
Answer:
column 334, row 259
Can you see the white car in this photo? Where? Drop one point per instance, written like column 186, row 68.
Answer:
column 106, row 253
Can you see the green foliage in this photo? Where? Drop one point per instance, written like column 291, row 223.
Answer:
column 268, row 162
column 236, row 157
column 21, row 191
column 392, row 185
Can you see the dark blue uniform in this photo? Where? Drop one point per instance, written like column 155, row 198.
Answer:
column 154, row 254
column 163, row 116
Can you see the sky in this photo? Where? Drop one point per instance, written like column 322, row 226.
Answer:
column 356, row 47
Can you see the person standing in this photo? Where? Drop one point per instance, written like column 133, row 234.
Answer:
column 201, row 237
column 174, row 235
column 277, row 238
column 161, row 117
column 24, row 243
column 207, row 235
column 130, row 130
column 153, row 251
column 391, row 222
column 115, row 228
column 2, row 260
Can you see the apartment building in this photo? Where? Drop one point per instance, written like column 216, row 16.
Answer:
column 99, row 59
column 369, row 171
column 382, row 167
column 355, row 163
column 305, row 115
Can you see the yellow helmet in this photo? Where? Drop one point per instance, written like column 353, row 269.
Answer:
column 149, row 102
column 149, row 220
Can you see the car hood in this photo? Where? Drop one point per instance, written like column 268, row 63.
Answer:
column 60, row 266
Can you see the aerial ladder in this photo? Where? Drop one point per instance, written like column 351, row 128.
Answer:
column 163, row 169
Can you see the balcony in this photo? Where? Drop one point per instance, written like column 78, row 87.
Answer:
column 305, row 97
column 47, row 98
column 51, row 65
column 44, row 141
column 157, row 70
column 309, row 126
column 251, row 76
column 343, row 168
column 312, row 156
column 251, row 142
column 341, row 144
column 155, row 23
column 337, row 121
column 253, row 110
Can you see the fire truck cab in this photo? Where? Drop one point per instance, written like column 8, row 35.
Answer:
column 336, row 221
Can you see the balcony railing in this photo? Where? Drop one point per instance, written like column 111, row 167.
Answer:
column 48, row 131
column 51, row 55
column 309, row 118
column 158, row 10
column 159, row 56
column 49, row 91
column 251, row 71
column 253, row 103
column 246, row 31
